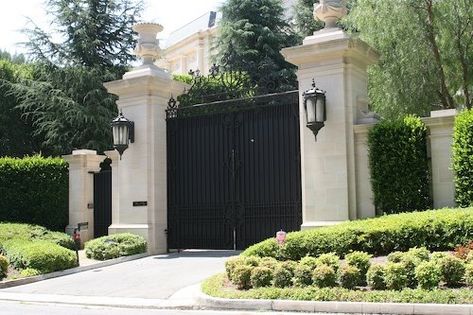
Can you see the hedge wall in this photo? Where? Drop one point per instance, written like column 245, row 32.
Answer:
column 399, row 165
column 463, row 158
column 34, row 190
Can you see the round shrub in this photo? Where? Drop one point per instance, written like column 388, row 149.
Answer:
column 409, row 261
column 29, row 272
column 395, row 276
column 303, row 275
column 349, row 276
column 395, row 257
column 330, row 260
column 242, row 277
column 421, row 253
column 251, row 261
column 3, row 267
column 114, row 246
column 282, row 277
column 360, row 260
column 268, row 262
column 437, row 256
column 310, row 262
column 469, row 274
column 324, row 276
column 428, row 275
column 261, row 277
column 231, row 264
column 452, row 270
column 290, row 266
column 375, row 277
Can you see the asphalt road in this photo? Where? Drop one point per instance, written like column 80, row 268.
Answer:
column 155, row 277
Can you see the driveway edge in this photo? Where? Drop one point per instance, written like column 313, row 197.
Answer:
column 207, row 301
column 106, row 263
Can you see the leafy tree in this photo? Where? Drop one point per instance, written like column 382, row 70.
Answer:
column 252, row 33
column 65, row 98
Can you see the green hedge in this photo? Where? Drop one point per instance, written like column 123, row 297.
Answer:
column 434, row 229
column 29, row 232
column 43, row 256
column 114, row 246
column 34, row 190
column 399, row 165
column 463, row 158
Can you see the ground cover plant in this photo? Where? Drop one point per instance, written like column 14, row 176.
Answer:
column 30, row 250
column 412, row 276
column 114, row 246
column 435, row 230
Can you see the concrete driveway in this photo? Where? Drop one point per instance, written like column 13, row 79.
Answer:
column 154, row 277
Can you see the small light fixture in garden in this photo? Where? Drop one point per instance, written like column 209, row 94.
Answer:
column 315, row 108
column 123, row 133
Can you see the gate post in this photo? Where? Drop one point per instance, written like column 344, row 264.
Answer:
column 139, row 178
column 338, row 62
column 81, row 190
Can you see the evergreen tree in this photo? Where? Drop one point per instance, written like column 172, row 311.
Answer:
column 65, row 98
column 251, row 35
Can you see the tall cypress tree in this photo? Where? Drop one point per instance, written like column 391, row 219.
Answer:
column 252, row 33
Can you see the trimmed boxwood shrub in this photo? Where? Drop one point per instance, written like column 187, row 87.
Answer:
column 34, row 190
column 29, row 232
column 303, row 275
column 241, row 277
column 462, row 153
column 361, row 261
column 395, row 276
column 452, row 269
column 375, row 277
column 261, row 277
column 115, row 245
column 399, row 165
column 434, row 230
column 324, row 276
column 349, row 276
column 428, row 275
column 282, row 277
column 40, row 255
column 3, row 267
column 469, row 275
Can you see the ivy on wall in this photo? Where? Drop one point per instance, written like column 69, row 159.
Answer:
column 399, row 165
column 34, row 190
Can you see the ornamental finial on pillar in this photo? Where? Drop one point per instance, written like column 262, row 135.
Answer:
column 147, row 47
column 330, row 11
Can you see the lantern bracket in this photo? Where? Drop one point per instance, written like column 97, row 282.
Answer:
column 132, row 131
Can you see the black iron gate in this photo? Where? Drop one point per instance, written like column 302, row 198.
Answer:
column 233, row 172
column 103, row 199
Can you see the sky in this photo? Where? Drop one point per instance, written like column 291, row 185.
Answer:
column 172, row 14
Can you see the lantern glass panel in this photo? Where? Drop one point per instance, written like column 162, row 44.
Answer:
column 320, row 109
column 310, row 110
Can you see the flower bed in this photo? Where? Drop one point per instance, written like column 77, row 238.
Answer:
column 114, row 246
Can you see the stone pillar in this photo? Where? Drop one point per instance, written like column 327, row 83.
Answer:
column 82, row 164
column 338, row 62
column 440, row 126
column 140, row 176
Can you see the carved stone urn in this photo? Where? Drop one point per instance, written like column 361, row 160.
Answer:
column 330, row 11
column 147, row 47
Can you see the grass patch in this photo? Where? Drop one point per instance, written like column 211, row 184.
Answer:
column 219, row 286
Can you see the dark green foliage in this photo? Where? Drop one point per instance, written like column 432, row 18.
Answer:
column 452, row 270
column 40, row 255
column 349, row 276
column 324, row 276
column 399, row 165
column 114, row 246
column 361, row 261
column 395, row 276
column 34, row 190
column 305, row 23
column 428, row 275
column 252, row 33
column 434, row 229
column 261, row 277
column 16, row 132
column 282, row 277
column 303, row 275
column 375, row 277
column 462, row 158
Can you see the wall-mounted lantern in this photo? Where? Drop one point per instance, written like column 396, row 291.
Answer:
column 123, row 133
column 315, row 108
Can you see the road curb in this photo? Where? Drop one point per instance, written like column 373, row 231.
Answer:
column 23, row 281
column 334, row 307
